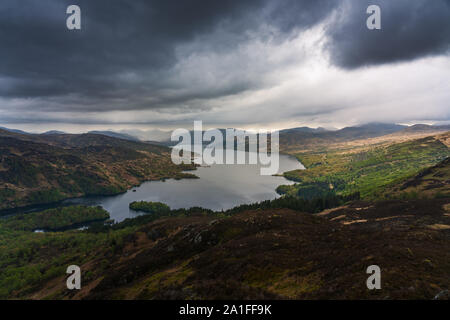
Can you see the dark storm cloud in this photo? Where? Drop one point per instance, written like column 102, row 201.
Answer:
column 40, row 57
column 410, row 29
column 127, row 55
column 43, row 58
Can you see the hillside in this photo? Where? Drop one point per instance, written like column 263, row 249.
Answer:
column 316, row 244
column 284, row 254
column 113, row 134
column 283, row 249
column 253, row 254
column 299, row 140
column 368, row 169
column 37, row 169
column 428, row 182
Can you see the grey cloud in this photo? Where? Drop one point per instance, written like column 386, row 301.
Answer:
column 45, row 59
column 410, row 30
column 130, row 55
column 117, row 37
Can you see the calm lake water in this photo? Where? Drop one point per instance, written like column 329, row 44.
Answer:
column 219, row 187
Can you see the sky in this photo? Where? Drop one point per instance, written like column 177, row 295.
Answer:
column 254, row 64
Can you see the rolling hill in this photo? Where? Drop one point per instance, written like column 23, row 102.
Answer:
column 369, row 170
column 38, row 169
column 428, row 182
column 258, row 253
column 113, row 134
column 298, row 140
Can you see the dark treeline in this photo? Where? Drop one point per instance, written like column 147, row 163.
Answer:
column 303, row 205
column 55, row 219
column 149, row 207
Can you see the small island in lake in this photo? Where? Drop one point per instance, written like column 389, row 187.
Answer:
column 149, row 207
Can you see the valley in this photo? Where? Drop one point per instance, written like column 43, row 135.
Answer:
column 225, row 154
column 382, row 200
column 367, row 169
column 41, row 169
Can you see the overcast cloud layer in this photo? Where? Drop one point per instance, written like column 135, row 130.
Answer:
column 253, row 63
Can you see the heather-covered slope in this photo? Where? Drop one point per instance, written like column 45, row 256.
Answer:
column 434, row 181
column 42, row 169
column 261, row 254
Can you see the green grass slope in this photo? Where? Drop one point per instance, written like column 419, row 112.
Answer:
column 369, row 171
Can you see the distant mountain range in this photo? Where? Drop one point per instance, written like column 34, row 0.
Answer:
column 426, row 128
column 113, row 134
column 295, row 138
column 365, row 131
column 13, row 130
column 305, row 129
column 53, row 132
